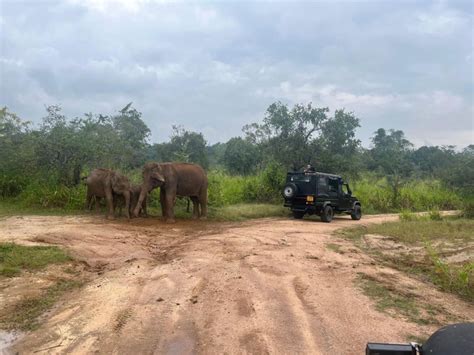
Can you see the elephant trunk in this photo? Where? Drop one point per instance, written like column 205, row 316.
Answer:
column 126, row 195
column 143, row 192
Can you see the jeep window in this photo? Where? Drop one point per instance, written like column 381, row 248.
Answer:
column 333, row 185
column 301, row 178
column 322, row 183
column 345, row 189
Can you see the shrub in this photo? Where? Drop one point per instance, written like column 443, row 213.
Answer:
column 48, row 195
column 11, row 186
column 406, row 215
column 468, row 209
column 434, row 215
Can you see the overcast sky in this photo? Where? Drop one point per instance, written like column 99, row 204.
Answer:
column 215, row 66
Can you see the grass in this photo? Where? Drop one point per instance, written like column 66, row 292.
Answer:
column 245, row 211
column 388, row 299
column 455, row 230
column 334, row 247
column 11, row 207
column 26, row 313
column 14, row 258
column 434, row 238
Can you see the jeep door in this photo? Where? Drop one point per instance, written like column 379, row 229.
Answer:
column 322, row 186
column 345, row 199
column 333, row 191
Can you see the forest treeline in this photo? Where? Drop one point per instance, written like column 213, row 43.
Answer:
column 53, row 156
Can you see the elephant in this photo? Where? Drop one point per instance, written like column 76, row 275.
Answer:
column 175, row 179
column 135, row 190
column 105, row 183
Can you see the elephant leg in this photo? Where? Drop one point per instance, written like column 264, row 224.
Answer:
column 97, row 204
column 169, row 207
column 110, row 204
column 203, row 203
column 116, row 204
column 89, row 200
column 145, row 213
column 163, row 202
column 195, row 206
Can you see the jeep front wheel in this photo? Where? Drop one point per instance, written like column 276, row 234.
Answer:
column 327, row 214
column 356, row 213
column 298, row 214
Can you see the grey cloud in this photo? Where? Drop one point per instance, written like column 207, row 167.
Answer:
column 214, row 67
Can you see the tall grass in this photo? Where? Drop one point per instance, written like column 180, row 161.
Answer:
column 264, row 187
column 417, row 195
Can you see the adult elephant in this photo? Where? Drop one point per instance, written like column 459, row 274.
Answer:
column 105, row 183
column 175, row 179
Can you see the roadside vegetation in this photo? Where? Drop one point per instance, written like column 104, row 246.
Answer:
column 392, row 300
column 438, row 249
column 16, row 260
column 41, row 166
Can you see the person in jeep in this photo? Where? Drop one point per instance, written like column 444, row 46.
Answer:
column 311, row 192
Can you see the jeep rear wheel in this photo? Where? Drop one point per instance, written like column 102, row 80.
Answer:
column 298, row 214
column 356, row 213
column 327, row 214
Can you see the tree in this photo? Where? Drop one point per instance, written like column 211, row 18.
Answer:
column 286, row 135
column 337, row 144
column 215, row 155
column 460, row 175
column 17, row 156
column 240, row 156
column 184, row 146
column 431, row 161
column 390, row 156
column 133, row 136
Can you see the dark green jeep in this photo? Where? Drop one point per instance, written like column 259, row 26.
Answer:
column 319, row 193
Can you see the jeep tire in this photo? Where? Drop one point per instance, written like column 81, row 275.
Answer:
column 327, row 214
column 289, row 191
column 356, row 213
column 298, row 214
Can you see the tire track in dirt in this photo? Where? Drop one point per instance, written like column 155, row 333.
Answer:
column 263, row 286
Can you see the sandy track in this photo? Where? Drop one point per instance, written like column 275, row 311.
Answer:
column 264, row 286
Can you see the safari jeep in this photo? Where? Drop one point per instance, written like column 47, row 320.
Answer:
column 310, row 192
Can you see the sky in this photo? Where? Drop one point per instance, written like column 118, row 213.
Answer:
column 213, row 67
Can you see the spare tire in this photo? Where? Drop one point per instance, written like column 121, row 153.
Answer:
column 289, row 191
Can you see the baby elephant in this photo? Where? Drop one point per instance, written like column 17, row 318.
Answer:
column 134, row 196
column 108, row 183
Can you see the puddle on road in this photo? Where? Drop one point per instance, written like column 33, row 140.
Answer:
column 7, row 339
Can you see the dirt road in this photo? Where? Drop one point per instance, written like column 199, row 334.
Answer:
column 263, row 286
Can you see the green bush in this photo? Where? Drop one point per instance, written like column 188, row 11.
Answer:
column 11, row 186
column 468, row 209
column 48, row 195
column 406, row 215
column 435, row 215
